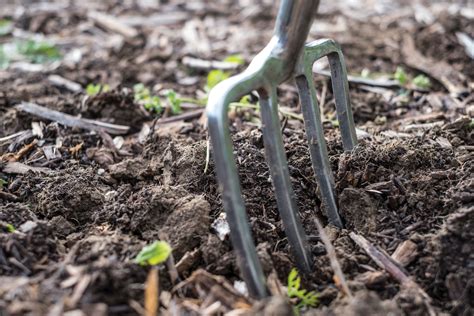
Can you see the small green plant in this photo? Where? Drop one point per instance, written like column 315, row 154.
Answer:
column 2, row 183
column 401, row 76
column 144, row 97
column 215, row 76
column 6, row 27
column 38, row 52
column 236, row 59
column 10, row 228
column 422, row 81
column 154, row 254
column 94, row 89
column 305, row 298
column 173, row 101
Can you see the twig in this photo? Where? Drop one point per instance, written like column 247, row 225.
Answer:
column 389, row 265
column 65, row 83
column 12, row 137
column 113, row 24
column 364, row 81
column 197, row 63
column 181, row 117
column 21, row 168
column 336, row 267
column 71, row 121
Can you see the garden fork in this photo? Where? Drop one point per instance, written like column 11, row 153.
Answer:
column 284, row 57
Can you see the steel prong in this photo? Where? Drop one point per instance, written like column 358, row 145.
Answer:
column 318, row 147
column 327, row 47
column 218, row 124
column 278, row 164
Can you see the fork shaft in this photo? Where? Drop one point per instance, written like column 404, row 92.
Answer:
column 277, row 162
column 318, row 147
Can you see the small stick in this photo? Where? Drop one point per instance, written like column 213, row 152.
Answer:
column 336, row 267
column 181, row 117
column 71, row 121
column 197, row 63
column 113, row 24
column 388, row 264
column 65, row 83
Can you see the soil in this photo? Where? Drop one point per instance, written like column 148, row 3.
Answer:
column 83, row 214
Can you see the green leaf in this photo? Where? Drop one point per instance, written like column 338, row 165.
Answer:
column 236, row 59
column 6, row 27
column 4, row 60
column 10, row 228
column 174, row 102
column 214, row 77
column 2, row 183
column 306, row 298
column 154, row 254
column 38, row 52
column 422, row 81
column 401, row 76
column 93, row 89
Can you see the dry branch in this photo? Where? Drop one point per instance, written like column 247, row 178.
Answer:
column 71, row 121
column 336, row 267
column 112, row 24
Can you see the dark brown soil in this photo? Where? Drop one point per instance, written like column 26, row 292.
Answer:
column 80, row 223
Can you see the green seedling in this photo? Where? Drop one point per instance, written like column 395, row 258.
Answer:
column 305, row 298
column 94, row 89
column 2, row 183
column 6, row 27
column 421, row 81
column 174, row 102
column 236, row 59
column 6, row 227
column 401, row 76
column 143, row 96
column 214, row 77
column 38, row 52
column 154, row 254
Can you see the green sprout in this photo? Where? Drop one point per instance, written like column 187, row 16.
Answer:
column 144, row 97
column 421, row 81
column 174, row 102
column 6, row 27
column 214, row 77
column 154, row 254
column 306, row 299
column 2, row 183
column 38, row 52
column 401, row 76
column 236, row 59
column 10, row 228
column 94, row 89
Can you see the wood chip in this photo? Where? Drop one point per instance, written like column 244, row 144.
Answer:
column 405, row 253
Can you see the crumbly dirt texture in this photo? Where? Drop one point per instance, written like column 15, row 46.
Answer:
column 77, row 206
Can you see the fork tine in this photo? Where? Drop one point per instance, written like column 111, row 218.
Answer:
column 218, row 124
column 318, row 147
column 277, row 162
column 328, row 47
column 340, row 88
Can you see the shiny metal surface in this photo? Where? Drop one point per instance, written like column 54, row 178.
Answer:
column 281, row 59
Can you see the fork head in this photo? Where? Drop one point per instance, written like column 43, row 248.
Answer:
column 281, row 59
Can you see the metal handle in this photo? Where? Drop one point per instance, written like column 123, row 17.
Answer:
column 291, row 30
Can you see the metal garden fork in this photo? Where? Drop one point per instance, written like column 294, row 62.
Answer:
column 284, row 57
